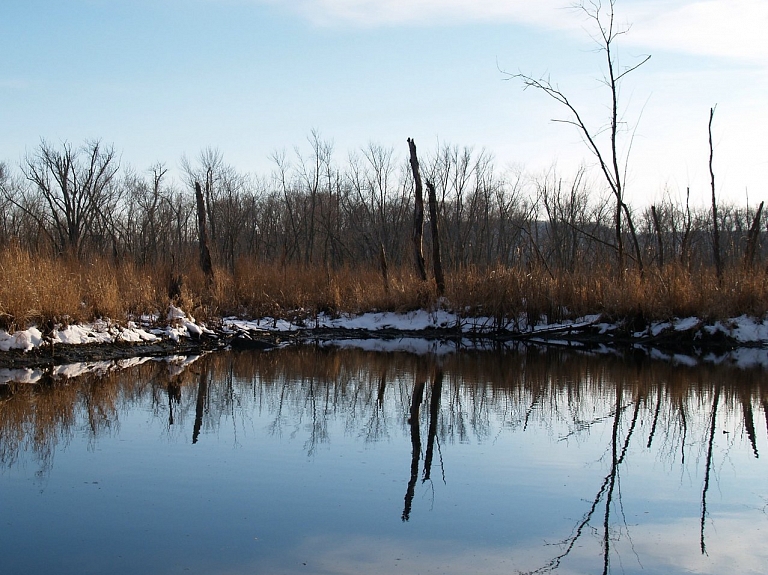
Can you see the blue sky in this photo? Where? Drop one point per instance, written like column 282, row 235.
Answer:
column 163, row 78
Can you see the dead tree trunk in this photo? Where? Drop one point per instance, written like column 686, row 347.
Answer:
column 715, row 228
column 686, row 240
column 175, row 282
column 752, row 236
column 205, row 254
column 633, row 235
column 437, row 263
column 659, row 241
column 384, row 268
column 418, row 214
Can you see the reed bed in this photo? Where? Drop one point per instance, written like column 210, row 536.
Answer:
column 40, row 290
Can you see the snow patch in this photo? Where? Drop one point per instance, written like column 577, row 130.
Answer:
column 23, row 340
column 182, row 325
column 687, row 324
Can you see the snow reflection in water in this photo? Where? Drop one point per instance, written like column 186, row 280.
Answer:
column 310, row 460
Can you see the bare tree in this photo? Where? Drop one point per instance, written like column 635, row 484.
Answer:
column 310, row 177
column 208, row 172
column 374, row 199
column 142, row 221
column 565, row 205
column 612, row 165
column 74, row 185
column 289, row 201
column 6, row 205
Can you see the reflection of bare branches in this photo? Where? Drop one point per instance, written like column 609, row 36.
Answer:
column 440, row 453
column 377, row 424
column 100, row 410
column 529, row 411
column 710, row 444
column 174, row 396
column 655, row 417
column 434, row 406
column 614, row 475
column 606, row 489
column 457, row 415
column 202, row 394
column 580, row 426
column 765, row 411
column 413, row 421
column 749, row 419
column 318, row 428
column 310, row 393
column 382, row 388
column 276, row 427
column 684, row 426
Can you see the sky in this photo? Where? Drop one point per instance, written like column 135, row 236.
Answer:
column 163, row 79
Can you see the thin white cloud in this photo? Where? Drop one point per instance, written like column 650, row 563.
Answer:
column 369, row 13
column 723, row 28
column 734, row 544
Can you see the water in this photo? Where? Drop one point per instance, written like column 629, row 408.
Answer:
column 309, row 461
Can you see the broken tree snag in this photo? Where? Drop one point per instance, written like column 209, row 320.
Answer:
column 715, row 229
column 418, row 214
column 659, row 240
column 752, row 236
column 175, row 282
column 205, row 254
column 437, row 263
column 384, row 268
column 685, row 258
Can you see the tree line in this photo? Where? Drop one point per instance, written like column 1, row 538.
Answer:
column 313, row 210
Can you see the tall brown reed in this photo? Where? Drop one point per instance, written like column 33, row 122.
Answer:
column 37, row 290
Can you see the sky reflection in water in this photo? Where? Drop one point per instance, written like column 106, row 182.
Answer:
column 321, row 461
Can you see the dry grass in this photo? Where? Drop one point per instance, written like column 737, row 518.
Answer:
column 40, row 290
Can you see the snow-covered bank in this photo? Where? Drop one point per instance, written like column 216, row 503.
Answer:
column 742, row 341
column 178, row 325
column 743, row 330
column 412, row 321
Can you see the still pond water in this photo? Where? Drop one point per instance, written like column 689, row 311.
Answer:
column 310, row 461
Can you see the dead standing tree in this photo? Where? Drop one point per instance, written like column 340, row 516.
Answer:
column 715, row 226
column 610, row 161
column 437, row 262
column 418, row 214
column 205, row 255
column 752, row 237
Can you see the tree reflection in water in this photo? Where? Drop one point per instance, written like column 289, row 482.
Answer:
column 673, row 410
column 414, row 424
